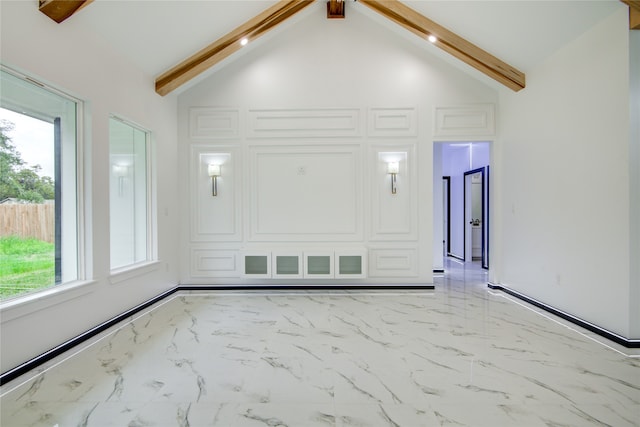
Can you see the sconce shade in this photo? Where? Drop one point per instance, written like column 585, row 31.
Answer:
column 393, row 167
column 119, row 170
column 214, row 170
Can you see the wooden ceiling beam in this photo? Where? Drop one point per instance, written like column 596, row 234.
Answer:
column 59, row 10
column 228, row 44
column 634, row 19
column 449, row 42
column 335, row 9
column 634, row 14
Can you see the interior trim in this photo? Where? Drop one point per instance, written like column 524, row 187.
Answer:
column 628, row 343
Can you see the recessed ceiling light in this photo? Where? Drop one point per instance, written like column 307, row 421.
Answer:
column 432, row 38
column 244, row 41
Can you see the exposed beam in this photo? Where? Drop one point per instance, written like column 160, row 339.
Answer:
column 449, row 42
column 335, row 9
column 634, row 14
column 228, row 44
column 634, row 19
column 59, row 10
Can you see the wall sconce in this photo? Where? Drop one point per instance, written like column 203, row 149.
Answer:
column 392, row 169
column 120, row 171
column 214, row 173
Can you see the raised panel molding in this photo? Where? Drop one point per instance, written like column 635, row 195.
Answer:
column 398, row 122
column 465, row 120
column 287, row 264
column 214, row 263
column 393, row 262
column 255, row 264
column 301, row 123
column 214, row 123
column 305, row 193
column 215, row 219
column 394, row 216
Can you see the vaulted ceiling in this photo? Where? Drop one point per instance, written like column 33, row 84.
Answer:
column 162, row 36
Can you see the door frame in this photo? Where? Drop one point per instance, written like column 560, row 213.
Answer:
column 447, row 205
column 485, row 219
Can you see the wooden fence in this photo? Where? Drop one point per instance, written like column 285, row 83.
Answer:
column 28, row 220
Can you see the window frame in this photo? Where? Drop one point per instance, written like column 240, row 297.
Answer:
column 49, row 295
column 119, row 273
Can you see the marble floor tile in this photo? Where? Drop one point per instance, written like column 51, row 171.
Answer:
column 460, row 355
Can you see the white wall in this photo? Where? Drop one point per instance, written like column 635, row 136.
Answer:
column 439, row 243
column 336, row 98
column 85, row 68
column 456, row 163
column 480, row 155
column 634, row 188
column 563, row 168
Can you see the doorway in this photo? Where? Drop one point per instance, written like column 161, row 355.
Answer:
column 454, row 163
column 446, row 216
column 476, row 223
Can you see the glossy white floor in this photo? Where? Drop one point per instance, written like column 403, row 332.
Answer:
column 461, row 355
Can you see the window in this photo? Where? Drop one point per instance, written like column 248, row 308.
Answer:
column 39, row 231
column 129, row 194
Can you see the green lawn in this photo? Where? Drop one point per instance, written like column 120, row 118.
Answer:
column 25, row 265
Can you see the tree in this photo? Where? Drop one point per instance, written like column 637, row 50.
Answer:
column 9, row 161
column 16, row 179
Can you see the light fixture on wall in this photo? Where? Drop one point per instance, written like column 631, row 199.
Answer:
column 120, row 171
column 392, row 169
column 214, row 173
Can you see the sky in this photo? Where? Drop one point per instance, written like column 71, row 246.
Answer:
column 33, row 139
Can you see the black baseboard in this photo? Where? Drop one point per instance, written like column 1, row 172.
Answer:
column 628, row 343
column 22, row 369
column 58, row 350
column 459, row 258
column 300, row 287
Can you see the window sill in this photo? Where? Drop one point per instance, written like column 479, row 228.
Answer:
column 132, row 271
column 22, row 306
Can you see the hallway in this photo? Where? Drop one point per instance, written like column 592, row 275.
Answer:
column 460, row 355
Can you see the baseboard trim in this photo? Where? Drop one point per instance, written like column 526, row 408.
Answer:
column 438, row 270
column 19, row 370
column 25, row 367
column 612, row 336
column 459, row 258
column 301, row 287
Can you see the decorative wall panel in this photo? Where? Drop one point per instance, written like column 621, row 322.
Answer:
column 304, row 123
column 214, row 263
column 393, row 262
column 256, row 265
column 465, row 120
column 287, row 264
column 319, row 265
column 393, row 216
column 350, row 264
column 397, row 122
column 215, row 218
column 311, row 193
column 213, row 123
